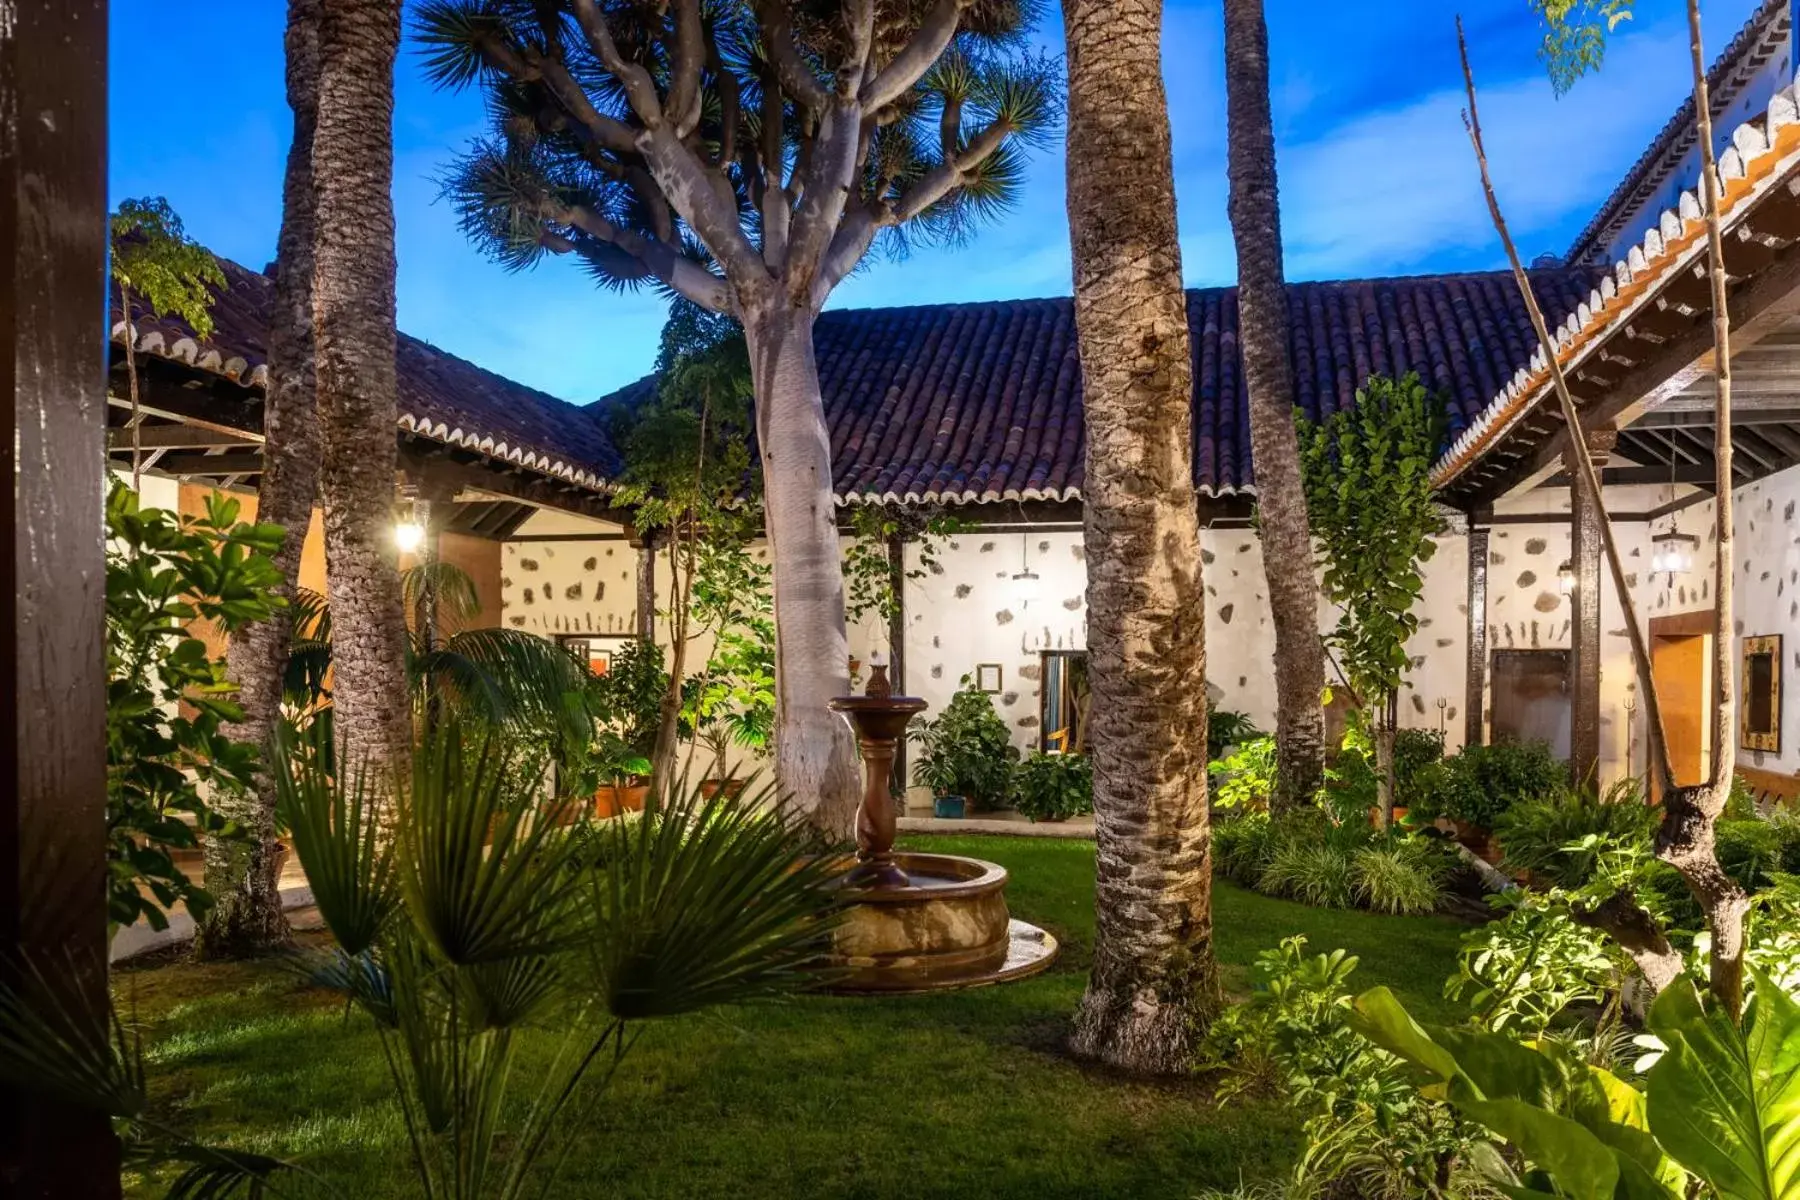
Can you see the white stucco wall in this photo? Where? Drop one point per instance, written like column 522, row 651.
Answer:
column 1766, row 592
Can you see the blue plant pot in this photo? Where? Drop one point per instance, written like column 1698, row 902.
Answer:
column 949, row 808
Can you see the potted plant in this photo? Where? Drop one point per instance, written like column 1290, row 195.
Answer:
column 629, row 700
column 1054, row 787
column 966, row 754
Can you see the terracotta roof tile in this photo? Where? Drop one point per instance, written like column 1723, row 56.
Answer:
column 442, row 397
column 973, row 403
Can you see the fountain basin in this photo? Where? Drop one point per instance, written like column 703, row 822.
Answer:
column 947, row 927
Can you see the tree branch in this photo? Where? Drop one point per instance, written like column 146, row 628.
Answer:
column 659, row 259
column 1587, row 479
column 640, row 88
column 916, row 58
column 796, row 75
column 942, row 179
column 854, row 236
column 690, row 52
column 1624, row 920
column 859, row 24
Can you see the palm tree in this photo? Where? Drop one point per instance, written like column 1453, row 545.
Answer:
column 1269, row 379
column 353, row 314
column 241, row 875
column 1154, row 982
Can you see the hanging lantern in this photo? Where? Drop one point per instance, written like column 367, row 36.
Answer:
column 1565, row 577
column 1672, row 553
column 1025, row 580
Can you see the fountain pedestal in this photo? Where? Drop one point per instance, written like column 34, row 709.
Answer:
column 918, row 922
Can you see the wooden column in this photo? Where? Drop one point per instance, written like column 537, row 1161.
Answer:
column 1585, row 551
column 896, row 552
column 1475, row 698
column 53, row 694
column 646, row 589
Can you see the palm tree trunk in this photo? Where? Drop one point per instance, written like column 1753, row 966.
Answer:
column 353, row 307
column 243, row 876
column 1154, row 983
column 1269, row 378
column 815, row 756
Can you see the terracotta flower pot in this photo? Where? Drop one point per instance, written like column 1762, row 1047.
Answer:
column 613, row 800
column 731, row 787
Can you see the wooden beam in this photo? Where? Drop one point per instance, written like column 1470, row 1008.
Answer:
column 896, row 557
column 187, row 464
column 431, row 464
column 52, row 607
column 179, row 437
column 1630, row 475
column 1584, row 601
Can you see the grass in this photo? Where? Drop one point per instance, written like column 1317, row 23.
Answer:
column 958, row 1095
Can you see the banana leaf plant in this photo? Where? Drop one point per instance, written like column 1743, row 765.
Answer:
column 1719, row 1106
column 462, row 922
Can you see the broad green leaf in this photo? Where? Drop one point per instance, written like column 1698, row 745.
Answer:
column 1724, row 1104
column 1379, row 1016
column 1582, row 1165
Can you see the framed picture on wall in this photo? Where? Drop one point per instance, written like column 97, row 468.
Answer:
column 1760, row 713
column 595, row 649
column 987, row 677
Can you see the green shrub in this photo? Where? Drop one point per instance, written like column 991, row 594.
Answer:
column 1317, row 873
column 966, row 750
column 1227, row 729
column 1480, row 784
column 1524, row 971
column 1243, row 846
column 1402, row 875
column 1548, row 835
column 1052, row 787
column 1750, row 851
column 1245, row 778
column 1414, row 750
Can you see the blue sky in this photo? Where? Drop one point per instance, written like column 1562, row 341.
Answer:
column 1376, row 174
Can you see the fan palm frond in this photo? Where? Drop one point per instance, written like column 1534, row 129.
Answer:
column 56, row 1041
column 336, row 827
column 454, row 592
column 709, row 901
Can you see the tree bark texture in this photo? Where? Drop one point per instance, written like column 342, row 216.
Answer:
column 815, row 754
column 243, row 876
column 1154, row 982
column 1255, row 214
column 353, row 310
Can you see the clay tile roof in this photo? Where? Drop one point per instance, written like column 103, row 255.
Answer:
column 1764, row 34
column 1762, row 154
column 441, row 397
column 973, row 403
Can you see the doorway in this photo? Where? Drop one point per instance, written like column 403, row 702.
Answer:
column 1063, row 702
column 1681, row 663
column 1531, row 698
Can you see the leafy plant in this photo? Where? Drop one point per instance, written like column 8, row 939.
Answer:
column 1369, row 1132
column 168, row 703
column 1399, row 875
column 1053, row 787
column 868, row 573
column 1369, row 504
column 1243, row 845
column 1227, row 729
column 472, row 921
column 1481, row 783
column 1525, row 971
column 1721, row 1104
column 731, row 702
column 154, row 260
column 1321, row 874
column 1245, row 778
column 966, row 750
column 1414, row 751
column 628, row 700
column 1559, row 836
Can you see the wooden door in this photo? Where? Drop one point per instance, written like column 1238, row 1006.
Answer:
column 1531, row 698
column 1680, row 666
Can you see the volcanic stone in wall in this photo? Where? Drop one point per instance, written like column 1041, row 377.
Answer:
column 1072, row 603
column 963, row 590
column 1536, row 545
column 1418, row 703
column 1527, row 578
column 1009, row 699
column 517, row 622
column 987, row 547
column 1547, row 602
column 1027, row 722
column 1031, row 671
column 528, row 596
column 937, row 670
column 528, row 564
column 572, row 592
column 1079, row 552
column 1206, row 558
column 1225, row 611
column 591, row 564
column 1003, row 617
column 1445, row 643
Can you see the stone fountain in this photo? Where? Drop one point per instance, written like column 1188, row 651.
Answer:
column 919, row 922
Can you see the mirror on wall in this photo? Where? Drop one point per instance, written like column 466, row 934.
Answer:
column 1063, row 702
column 1761, row 703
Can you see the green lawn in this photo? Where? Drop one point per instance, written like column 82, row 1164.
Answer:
column 959, row 1095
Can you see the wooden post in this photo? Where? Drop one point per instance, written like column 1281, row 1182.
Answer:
column 1584, row 612
column 896, row 552
column 1475, row 698
column 646, row 589
column 53, row 693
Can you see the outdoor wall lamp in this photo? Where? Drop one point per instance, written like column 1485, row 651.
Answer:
column 409, row 534
column 1025, row 581
column 1565, row 577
